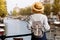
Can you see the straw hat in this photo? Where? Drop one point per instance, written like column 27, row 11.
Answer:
column 37, row 7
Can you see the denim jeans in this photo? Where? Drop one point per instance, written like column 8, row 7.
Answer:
column 43, row 38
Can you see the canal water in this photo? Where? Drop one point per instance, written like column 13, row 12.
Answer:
column 16, row 27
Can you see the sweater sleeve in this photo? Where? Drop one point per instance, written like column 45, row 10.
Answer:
column 46, row 25
column 29, row 23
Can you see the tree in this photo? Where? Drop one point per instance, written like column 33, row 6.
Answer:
column 47, row 9
column 25, row 11
column 14, row 13
column 56, row 7
column 22, row 11
column 3, row 9
column 28, row 10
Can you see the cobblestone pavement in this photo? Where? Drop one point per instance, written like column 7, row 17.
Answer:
column 54, row 33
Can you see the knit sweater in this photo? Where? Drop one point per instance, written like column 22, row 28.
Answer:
column 39, row 17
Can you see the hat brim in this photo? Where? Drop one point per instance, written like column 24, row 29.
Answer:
column 37, row 10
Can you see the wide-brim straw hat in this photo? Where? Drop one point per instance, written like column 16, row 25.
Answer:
column 37, row 7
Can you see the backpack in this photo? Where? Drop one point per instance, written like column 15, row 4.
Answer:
column 37, row 29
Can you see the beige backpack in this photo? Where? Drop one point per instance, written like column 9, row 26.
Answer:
column 37, row 29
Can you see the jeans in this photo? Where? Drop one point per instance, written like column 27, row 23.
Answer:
column 43, row 38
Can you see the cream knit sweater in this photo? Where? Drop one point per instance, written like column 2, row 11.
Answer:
column 39, row 17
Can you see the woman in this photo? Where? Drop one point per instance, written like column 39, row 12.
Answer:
column 37, row 10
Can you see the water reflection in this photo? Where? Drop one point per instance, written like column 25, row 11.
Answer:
column 16, row 27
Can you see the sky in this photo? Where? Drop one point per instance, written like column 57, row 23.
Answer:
column 19, row 3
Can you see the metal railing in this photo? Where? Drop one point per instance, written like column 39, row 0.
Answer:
column 2, row 37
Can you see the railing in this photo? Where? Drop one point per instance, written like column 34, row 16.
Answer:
column 2, row 37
